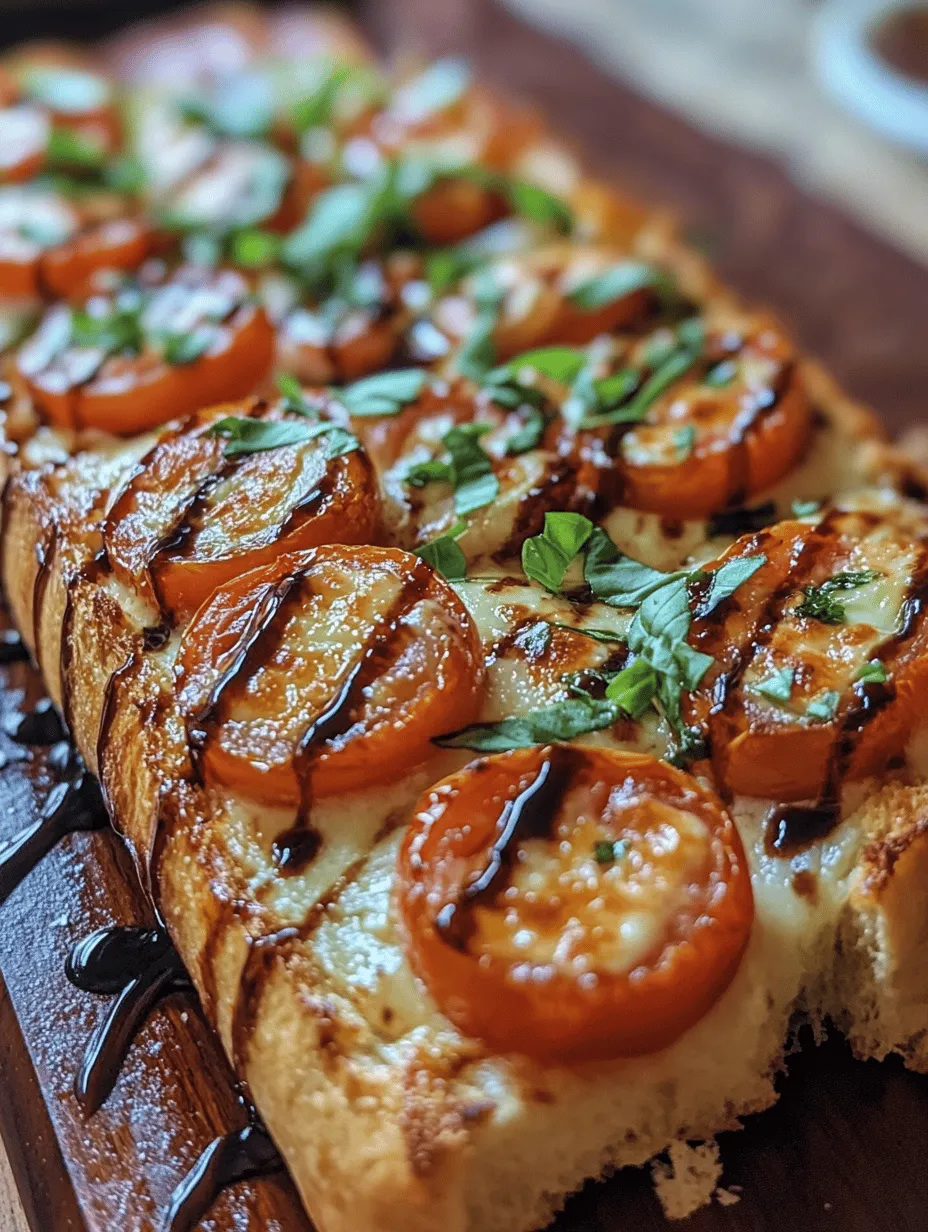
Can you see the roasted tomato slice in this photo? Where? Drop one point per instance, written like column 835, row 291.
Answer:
column 729, row 425
column 329, row 671
column 560, row 294
column 32, row 223
column 821, row 685
column 192, row 518
column 76, row 99
column 147, row 354
column 124, row 244
column 574, row 904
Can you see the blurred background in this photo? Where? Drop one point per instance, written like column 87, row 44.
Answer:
column 790, row 137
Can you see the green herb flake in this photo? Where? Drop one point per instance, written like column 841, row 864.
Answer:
column 254, row 248
column 257, row 436
column 722, row 374
column 606, row 852
column 806, row 508
column 725, row 580
column 824, row 706
column 873, row 672
column 778, row 686
column 683, row 441
column 185, row 348
column 444, row 555
column 538, row 205
column 385, row 393
column 612, row 284
column 634, row 688
column 561, row 721
column 546, row 557
column 819, row 602
column 529, row 435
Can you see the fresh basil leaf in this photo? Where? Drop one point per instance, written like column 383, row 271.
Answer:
column 385, row 393
column 617, row 579
column 683, row 441
column 475, row 484
column 612, row 391
column 291, row 391
column 446, row 267
column 778, row 685
column 256, row 435
column 70, row 148
column 611, row 285
column 538, row 205
column 561, row 721
column 340, row 222
column 634, row 688
column 115, row 332
column 724, row 581
column 819, row 603
column 315, row 110
column 560, row 363
column 722, row 374
column 444, row 555
column 477, row 352
column 605, row 852
column 693, row 664
column 438, row 88
column 805, row 508
column 873, row 672
column 431, row 471
column 254, row 248
column 546, row 557
column 824, row 706
column 185, row 348
column 339, row 441
column 529, row 435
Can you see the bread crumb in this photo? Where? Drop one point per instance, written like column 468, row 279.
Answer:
column 726, row 1197
column 688, row 1178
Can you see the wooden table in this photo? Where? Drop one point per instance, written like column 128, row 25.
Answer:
column 843, row 1151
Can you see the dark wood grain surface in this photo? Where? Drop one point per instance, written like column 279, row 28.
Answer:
column 844, row 1150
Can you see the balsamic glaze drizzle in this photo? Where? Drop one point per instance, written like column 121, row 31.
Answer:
column 237, row 1156
column 41, row 726
column 529, row 815
column 71, row 806
column 141, row 966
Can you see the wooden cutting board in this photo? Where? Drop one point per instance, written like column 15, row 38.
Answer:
column 844, row 1150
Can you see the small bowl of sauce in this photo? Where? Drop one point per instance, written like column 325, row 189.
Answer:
column 872, row 55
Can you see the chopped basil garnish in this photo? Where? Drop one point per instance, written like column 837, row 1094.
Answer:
column 530, row 434
column 683, row 441
column 114, row 332
column 806, row 508
column 689, row 343
column 819, row 602
column 778, row 686
column 634, row 688
column 617, row 579
column 607, row 853
column 724, row 581
column 873, row 672
column 612, row 284
column 447, row 266
column 444, row 555
column 385, row 393
column 722, row 374
column 254, row 248
column 477, row 352
column 561, row 721
column 546, row 557
column 256, row 435
column 315, row 110
column 468, row 469
column 65, row 146
column 537, row 204
column 184, row 348
column 825, row 706
column 560, row 363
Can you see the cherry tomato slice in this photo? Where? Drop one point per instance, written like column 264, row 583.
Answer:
column 799, row 712
column 573, row 903
column 329, row 671
column 191, row 519
column 132, row 389
column 32, row 222
column 719, row 437
column 118, row 244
